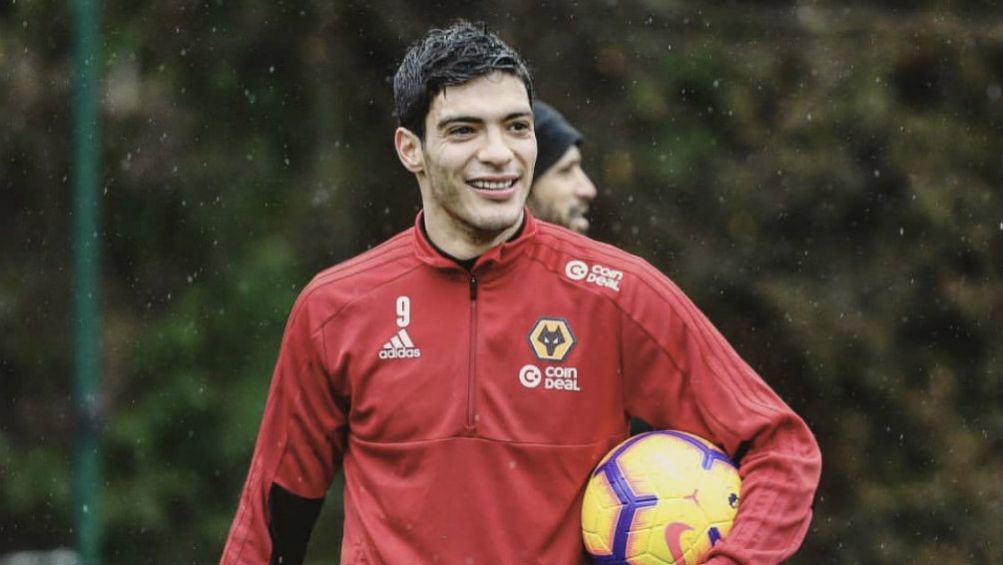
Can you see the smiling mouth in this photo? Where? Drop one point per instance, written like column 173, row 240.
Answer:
column 481, row 184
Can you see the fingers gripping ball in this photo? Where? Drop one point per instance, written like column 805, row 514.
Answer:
column 659, row 498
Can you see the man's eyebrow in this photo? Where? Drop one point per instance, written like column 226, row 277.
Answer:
column 462, row 119
column 475, row 120
column 515, row 115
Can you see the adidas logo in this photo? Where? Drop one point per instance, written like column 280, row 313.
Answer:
column 400, row 346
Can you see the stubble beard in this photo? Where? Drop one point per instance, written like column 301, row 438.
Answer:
column 480, row 228
column 554, row 213
column 462, row 213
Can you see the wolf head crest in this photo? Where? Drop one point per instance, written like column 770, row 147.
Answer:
column 551, row 339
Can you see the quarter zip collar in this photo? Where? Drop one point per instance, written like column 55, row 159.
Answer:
column 498, row 258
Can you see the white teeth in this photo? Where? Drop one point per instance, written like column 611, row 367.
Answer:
column 492, row 185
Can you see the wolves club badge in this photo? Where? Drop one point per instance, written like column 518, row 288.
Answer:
column 551, row 339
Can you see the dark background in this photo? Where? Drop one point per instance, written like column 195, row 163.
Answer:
column 822, row 178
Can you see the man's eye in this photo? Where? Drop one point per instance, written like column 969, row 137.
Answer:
column 462, row 130
column 520, row 126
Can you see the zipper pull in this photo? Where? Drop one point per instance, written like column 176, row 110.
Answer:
column 473, row 287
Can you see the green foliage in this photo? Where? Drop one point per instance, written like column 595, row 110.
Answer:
column 821, row 178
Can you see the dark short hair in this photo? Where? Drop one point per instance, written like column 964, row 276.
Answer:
column 446, row 57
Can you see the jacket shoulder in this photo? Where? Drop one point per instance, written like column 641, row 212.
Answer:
column 558, row 247
column 339, row 285
column 637, row 287
column 392, row 257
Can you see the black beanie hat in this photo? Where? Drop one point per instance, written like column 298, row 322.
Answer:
column 554, row 135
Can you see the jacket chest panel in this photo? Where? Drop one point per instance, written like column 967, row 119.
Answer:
column 507, row 364
column 550, row 371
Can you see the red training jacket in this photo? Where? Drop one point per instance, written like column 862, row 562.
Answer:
column 467, row 408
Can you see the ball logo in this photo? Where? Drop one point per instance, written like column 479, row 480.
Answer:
column 576, row 270
column 673, row 538
column 530, row 376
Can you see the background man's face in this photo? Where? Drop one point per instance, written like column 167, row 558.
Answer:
column 479, row 153
column 563, row 193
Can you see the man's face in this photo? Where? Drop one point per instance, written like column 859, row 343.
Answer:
column 477, row 159
column 563, row 193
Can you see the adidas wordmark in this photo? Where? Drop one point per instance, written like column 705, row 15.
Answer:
column 400, row 346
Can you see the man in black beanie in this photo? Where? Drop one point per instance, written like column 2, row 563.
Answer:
column 561, row 191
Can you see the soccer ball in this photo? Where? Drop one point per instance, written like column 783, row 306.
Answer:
column 659, row 498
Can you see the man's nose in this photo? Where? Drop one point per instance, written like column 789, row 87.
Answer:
column 495, row 149
column 584, row 188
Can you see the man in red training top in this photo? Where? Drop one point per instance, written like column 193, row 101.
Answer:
column 467, row 374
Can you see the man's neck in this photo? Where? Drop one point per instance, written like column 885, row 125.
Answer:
column 460, row 242
column 468, row 263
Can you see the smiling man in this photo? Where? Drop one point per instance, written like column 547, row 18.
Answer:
column 468, row 374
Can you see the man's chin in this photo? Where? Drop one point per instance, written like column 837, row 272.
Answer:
column 579, row 224
column 488, row 227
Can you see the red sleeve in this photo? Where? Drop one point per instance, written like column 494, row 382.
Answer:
column 680, row 373
column 301, row 440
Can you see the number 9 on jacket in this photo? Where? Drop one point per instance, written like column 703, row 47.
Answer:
column 659, row 498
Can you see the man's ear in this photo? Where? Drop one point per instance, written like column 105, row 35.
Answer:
column 409, row 150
